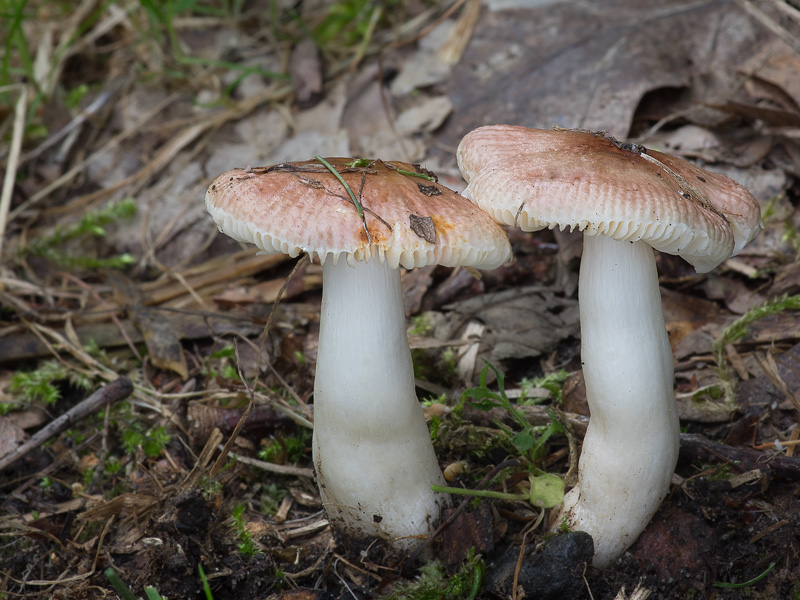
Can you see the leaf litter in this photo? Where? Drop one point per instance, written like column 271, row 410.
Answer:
column 218, row 88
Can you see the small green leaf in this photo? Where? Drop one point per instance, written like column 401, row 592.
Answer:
column 523, row 441
column 484, row 405
column 547, row 490
column 359, row 163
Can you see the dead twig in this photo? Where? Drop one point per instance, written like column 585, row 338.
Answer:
column 741, row 459
column 272, row 467
column 13, row 161
column 113, row 392
column 759, row 15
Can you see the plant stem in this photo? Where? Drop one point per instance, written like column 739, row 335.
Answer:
column 480, row 493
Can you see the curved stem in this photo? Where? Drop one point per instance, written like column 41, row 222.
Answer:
column 372, row 450
column 631, row 444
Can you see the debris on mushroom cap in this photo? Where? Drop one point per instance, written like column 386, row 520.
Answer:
column 408, row 217
column 537, row 179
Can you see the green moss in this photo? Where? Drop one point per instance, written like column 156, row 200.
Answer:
column 432, row 583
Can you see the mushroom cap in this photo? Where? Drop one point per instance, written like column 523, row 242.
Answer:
column 301, row 207
column 537, row 179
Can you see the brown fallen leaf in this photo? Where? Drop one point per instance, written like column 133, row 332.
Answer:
column 589, row 66
column 11, row 436
column 778, row 66
column 162, row 340
column 520, row 322
column 684, row 314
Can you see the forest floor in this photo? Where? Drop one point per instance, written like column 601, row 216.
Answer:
column 117, row 290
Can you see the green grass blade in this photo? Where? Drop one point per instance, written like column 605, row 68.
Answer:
column 206, row 587
column 753, row 581
column 357, row 204
column 119, row 586
column 152, row 594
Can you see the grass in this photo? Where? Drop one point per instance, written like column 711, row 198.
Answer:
column 739, row 329
column 125, row 592
column 54, row 246
column 15, row 45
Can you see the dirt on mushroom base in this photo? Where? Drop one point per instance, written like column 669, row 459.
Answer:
column 707, row 541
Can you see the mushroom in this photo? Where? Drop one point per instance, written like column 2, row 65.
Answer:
column 372, row 451
column 625, row 199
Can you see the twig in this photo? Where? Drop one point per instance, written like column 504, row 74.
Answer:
column 741, row 459
column 776, row 444
column 13, row 161
column 785, row 36
column 113, row 392
column 272, row 467
column 101, row 101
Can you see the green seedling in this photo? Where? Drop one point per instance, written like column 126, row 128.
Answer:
column 545, row 490
column 347, row 23
column 420, row 325
column 152, row 594
column 286, row 449
column 529, row 440
column 247, row 545
column 16, row 46
column 119, row 586
column 271, row 497
column 222, row 363
column 563, row 527
column 435, row 420
column 152, row 441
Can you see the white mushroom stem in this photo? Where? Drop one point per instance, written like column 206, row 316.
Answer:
column 372, row 450
column 631, row 446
